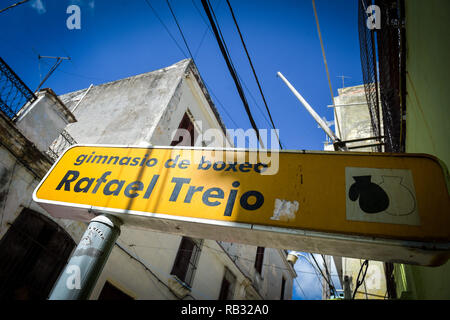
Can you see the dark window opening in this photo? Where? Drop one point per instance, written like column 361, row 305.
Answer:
column 259, row 259
column 227, row 287
column 187, row 259
column 110, row 292
column 283, row 285
column 33, row 253
column 186, row 134
column 224, row 289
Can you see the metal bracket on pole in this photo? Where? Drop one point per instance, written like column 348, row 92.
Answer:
column 81, row 273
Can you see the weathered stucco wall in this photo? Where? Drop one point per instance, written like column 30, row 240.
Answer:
column 22, row 166
column 353, row 117
column 124, row 111
column 43, row 120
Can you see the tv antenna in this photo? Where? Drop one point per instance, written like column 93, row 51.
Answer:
column 342, row 77
column 53, row 68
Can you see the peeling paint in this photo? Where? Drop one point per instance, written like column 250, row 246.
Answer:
column 91, row 252
column 284, row 210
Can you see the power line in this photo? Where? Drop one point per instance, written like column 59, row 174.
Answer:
column 133, row 255
column 300, row 287
column 220, row 103
column 179, row 28
column 222, row 45
column 59, row 70
column 327, row 272
column 182, row 51
column 326, row 279
column 165, row 27
column 206, row 24
column 189, row 50
column 232, row 255
column 240, row 78
column 13, row 5
column 254, row 100
column 225, row 252
column 208, row 27
column 253, row 69
column 326, row 67
column 314, row 268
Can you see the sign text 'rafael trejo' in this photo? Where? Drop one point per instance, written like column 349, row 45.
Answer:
column 238, row 195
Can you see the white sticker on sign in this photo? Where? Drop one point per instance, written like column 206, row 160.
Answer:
column 381, row 195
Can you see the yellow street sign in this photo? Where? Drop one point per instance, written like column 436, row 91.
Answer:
column 336, row 203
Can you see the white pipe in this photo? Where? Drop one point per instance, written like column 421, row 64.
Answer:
column 347, row 104
column 84, row 95
column 316, row 117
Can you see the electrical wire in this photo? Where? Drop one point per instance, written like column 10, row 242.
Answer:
column 189, row 50
column 328, row 273
column 300, row 287
column 321, row 272
column 225, row 252
column 59, row 70
column 206, row 24
column 13, row 5
column 220, row 103
column 254, row 100
column 179, row 28
column 313, row 266
column 165, row 27
column 253, row 70
column 326, row 68
column 240, row 78
column 136, row 257
column 236, row 256
column 224, row 50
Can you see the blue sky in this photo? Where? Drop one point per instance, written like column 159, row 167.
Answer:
column 121, row 38
column 308, row 284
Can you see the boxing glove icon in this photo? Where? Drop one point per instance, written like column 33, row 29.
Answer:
column 372, row 198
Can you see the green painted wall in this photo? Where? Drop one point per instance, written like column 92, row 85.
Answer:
column 427, row 119
column 427, row 79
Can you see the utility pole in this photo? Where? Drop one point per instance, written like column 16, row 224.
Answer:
column 81, row 273
column 347, row 288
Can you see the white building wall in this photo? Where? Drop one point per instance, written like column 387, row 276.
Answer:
column 275, row 266
column 17, row 183
column 141, row 263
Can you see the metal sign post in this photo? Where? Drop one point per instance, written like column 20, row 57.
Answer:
column 80, row 275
